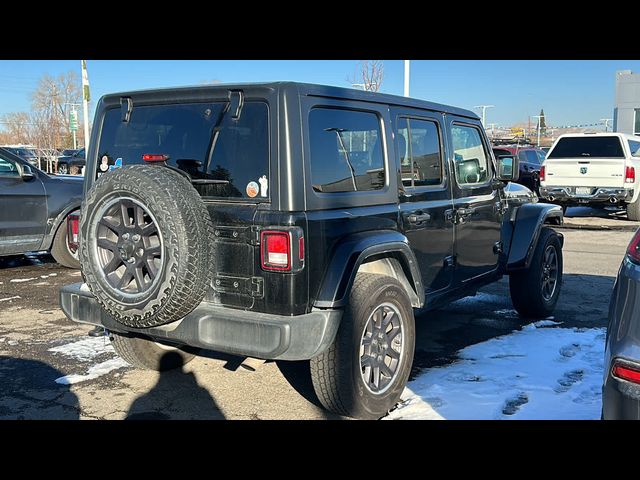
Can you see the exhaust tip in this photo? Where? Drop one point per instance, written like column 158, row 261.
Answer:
column 613, row 200
column 551, row 198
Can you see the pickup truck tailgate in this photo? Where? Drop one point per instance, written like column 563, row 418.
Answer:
column 594, row 172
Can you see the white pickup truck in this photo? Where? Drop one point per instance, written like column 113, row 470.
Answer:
column 596, row 169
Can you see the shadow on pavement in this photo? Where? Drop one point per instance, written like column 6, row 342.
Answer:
column 29, row 392
column 29, row 260
column 176, row 392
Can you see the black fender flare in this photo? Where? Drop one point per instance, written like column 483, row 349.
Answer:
column 353, row 251
column 56, row 222
column 528, row 223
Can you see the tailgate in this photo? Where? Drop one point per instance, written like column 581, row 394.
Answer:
column 595, row 172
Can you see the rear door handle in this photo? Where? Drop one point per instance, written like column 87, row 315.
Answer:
column 419, row 217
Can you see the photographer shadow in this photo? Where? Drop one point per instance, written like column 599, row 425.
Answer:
column 176, row 395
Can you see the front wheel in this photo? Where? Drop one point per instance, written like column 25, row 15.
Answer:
column 363, row 373
column 535, row 291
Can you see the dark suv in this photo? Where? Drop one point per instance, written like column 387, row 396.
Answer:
column 298, row 222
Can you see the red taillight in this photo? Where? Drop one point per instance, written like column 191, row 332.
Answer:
column 152, row 157
column 630, row 175
column 626, row 373
column 542, row 169
column 633, row 250
column 73, row 229
column 275, row 250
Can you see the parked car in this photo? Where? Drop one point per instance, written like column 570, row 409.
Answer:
column 595, row 169
column 289, row 221
column 71, row 164
column 69, row 152
column 529, row 159
column 38, row 211
column 25, row 153
column 621, row 389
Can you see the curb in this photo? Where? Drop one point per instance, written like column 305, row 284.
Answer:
column 599, row 228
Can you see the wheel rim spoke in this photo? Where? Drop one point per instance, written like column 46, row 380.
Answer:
column 381, row 346
column 129, row 246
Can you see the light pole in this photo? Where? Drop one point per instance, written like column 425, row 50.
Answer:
column 606, row 123
column 484, row 109
column 406, row 78
column 538, row 127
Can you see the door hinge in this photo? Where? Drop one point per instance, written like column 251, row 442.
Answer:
column 449, row 261
column 497, row 247
column 449, row 216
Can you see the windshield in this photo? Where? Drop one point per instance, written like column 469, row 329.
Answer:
column 585, row 147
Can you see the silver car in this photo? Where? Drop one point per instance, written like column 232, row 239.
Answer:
column 621, row 390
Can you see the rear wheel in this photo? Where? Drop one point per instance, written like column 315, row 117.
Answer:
column 63, row 169
column 149, row 355
column 535, row 291
column 60, row 249
column 633, row 210
column 362, row 374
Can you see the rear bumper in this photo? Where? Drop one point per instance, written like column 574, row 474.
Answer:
column 599, row 195
column 212, row 327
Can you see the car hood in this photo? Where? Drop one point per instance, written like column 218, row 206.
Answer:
column 519, row 193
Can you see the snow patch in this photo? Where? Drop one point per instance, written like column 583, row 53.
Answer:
column 9, row 298
column 480, row 297
column 50, row 275
column 21, row 280
column 94, row 372
column 533, row 373
column 86, row 349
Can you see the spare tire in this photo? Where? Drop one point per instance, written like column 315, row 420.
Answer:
column 145, row 245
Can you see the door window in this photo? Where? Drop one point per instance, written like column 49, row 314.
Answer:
column 419, row 153
column 470, row 158
column 8, row 168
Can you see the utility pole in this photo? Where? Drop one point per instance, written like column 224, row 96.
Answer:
column 538, row 127
column 85, row 104
column 484, row 109
column 406, row 78
column 606, row 123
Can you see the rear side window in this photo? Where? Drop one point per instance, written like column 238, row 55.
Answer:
column 579, row 147
column 236, row 160
column 469, row 155
column 418, row 147
column 346, row 151
column 635, row 148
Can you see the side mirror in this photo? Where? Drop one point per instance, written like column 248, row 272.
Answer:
column 508, row 168
column 25, row 172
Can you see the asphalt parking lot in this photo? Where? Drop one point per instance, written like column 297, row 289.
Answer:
column 50, row 368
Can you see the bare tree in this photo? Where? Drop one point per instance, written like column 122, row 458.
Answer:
column 51, row 103
column 369, row 75
column 17, row 128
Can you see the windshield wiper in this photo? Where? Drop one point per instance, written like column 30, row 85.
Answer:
column 346, row 154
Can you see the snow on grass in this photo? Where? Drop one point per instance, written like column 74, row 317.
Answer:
column 15, row 297
column 533, row 373
column 21, row 280
column 87, row 350
column 94, row 372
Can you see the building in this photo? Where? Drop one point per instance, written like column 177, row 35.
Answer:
column 626, row 114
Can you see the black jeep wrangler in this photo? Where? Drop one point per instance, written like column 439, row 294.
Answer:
column 298, row 222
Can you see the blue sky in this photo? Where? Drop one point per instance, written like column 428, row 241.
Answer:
column 571, row 92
